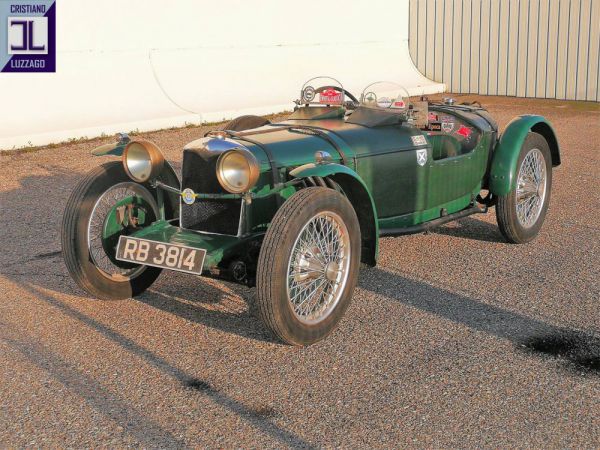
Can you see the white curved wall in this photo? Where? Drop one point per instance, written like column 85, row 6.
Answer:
column 147, row 64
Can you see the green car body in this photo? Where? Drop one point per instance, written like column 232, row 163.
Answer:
column 376, row 168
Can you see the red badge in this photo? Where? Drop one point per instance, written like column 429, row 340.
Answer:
column 433, row 117
column 464, row 131
column 330, row 97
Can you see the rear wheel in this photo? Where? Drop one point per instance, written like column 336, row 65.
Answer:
column 247, row 122
column 308, row 266
column 105, row 205
column 521, row 213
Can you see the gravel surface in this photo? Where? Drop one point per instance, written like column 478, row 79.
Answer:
column 456, row 339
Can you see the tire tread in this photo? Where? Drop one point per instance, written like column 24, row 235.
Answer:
column 69, row 227
column 71, row 244
column 270, row 245
column 274, row 238
column 506, row 215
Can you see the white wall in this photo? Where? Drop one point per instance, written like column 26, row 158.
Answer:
column 148, row 64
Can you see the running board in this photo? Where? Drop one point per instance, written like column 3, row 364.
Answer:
column 426, row 226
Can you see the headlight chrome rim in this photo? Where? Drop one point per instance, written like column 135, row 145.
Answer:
column 252, row 171
column 142, row 161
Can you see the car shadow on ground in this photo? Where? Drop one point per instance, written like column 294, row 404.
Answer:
column 110, row 404
column 30, row 241
column 577, row 350
column 197, row 300
column 104, row 402
column 471, row 228
column 32, row 260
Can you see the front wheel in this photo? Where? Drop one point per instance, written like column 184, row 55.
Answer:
column 308, row 265
column 105, row 205
column 521, row 213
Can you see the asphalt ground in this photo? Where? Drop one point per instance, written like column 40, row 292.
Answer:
column 456, row 338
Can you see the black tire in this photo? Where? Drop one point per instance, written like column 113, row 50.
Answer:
column 272, row 303
column 244, row 123
column 506, row 208
column 74, row 238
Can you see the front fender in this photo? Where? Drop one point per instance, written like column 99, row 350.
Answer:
column 503, row 168
column 357, row 192
column 113, row 149
column 167, row 176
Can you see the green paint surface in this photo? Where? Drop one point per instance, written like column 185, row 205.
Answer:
column 382, row 161
column 218, row 247
column 504, row 163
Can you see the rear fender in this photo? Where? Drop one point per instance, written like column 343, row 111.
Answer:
column 503, row 169
column 357, row 192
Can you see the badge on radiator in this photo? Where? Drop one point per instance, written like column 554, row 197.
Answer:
column 422, row 157
column 188, row 196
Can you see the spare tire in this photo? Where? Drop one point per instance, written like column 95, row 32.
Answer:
column 244, row 123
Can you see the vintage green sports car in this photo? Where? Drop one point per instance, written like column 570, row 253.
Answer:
column 294, row 207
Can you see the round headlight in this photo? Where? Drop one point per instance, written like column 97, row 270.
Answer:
column 237, row 170
column 142, row 161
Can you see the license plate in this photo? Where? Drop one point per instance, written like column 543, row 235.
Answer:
column 159, row 254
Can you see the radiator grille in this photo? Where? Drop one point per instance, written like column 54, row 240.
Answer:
column 212, row 216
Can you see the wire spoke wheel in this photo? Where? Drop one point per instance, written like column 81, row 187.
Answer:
column 531, row 188
column 318, row 267
column 308, row 265
column 104, row 206
column 521, row 212
column 125, row 197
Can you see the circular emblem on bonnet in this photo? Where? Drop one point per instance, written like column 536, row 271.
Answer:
column 188, row 196
column 308, row 95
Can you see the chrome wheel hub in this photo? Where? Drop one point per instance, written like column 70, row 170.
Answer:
column 318, row 267
column 531, row 188
column 332, row 271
